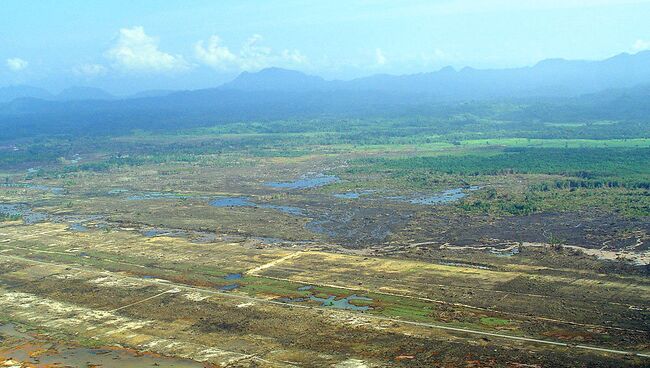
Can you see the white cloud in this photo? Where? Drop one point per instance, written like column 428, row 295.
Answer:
column 137, row 51
column 641, row 45
column 90, row 70
column 214, row 54
column 437, row 56
column 294, row 56
column 380, row 59
column 253, row 55
column 17, row 64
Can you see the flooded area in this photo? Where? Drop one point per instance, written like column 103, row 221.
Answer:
column 305, row 182
column 31, row 217
column 42, row 356
column 19, row 211
column 246, row 202
column 45, row 188
column 446, row 196
column 31, row 351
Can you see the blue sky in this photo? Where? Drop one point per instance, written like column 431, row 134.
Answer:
column 125, row 46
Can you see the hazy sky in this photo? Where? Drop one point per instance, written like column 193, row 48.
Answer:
column 131, row 45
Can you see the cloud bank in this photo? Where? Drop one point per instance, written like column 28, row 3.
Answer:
column 134, row 50
column 252, row 55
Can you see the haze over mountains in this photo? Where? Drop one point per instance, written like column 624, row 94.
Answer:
column 552, row 77
column 593, row 87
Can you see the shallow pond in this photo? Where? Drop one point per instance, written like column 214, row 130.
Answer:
column 245, row 202
column 343, row 303
column 232, row 202
column 77, row 228
column 229, row 287
column 232, row 276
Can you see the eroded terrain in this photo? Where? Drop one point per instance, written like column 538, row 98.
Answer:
column 297, row 262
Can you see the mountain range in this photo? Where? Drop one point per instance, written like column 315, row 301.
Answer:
column 548, row 78
column 615, row 88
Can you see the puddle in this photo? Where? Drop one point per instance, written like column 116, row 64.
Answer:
column 305, row 182
column 77, row 228
column 305, row 288
column 343, row 303
column 233, row 276
column 229, row 287
column 245, row 202
column 151, row 233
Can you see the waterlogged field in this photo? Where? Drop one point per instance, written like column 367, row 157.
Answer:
column 320, row 244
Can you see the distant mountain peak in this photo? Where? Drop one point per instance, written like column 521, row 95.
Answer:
column 275, row 78
column 83, row 93
column 13, row 92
